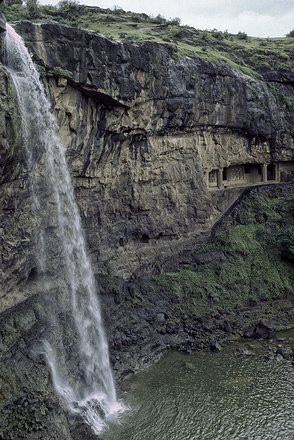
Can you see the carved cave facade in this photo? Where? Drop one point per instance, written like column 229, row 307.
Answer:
column 249, row 174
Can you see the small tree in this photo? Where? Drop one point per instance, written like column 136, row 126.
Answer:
column 32, row 8
column 175, row 21
column 69, row 8
column 290, row 34
column 118, row 10
column 242, row 36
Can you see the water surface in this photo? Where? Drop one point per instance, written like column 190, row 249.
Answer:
column 210, row 396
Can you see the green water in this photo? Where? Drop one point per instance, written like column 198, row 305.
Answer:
column 209, row 396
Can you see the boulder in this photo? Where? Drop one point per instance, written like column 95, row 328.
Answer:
column 264, row 329
column 286, row 353
column 244, row 351
column 215, row 346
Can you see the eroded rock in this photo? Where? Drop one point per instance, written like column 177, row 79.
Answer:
column 264, row 329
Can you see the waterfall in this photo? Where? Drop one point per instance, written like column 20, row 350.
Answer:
column 89, row 388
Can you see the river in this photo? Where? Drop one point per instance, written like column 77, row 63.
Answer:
column 211, row 396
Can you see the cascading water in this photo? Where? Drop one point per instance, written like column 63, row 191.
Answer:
column 89, row 392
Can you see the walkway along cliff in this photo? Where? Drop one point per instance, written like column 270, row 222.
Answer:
column 159, row 151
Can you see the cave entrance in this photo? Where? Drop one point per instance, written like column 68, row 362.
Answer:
column 242, row 174
column 253, row 173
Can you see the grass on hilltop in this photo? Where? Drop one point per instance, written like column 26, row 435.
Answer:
column 250, row 55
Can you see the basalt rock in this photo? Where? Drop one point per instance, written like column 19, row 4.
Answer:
column 2, row 30
column 264, row 329
column 285, row 352
column 142, row 132
column 2, row 23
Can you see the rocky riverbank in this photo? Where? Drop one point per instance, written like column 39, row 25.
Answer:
column 241, row 276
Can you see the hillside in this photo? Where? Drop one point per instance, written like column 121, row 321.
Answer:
column 252, row 56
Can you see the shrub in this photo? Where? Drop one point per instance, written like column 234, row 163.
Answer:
column 290, row 34
column 287, row 244
column 33, row 10
column 242, row 36
column 122, row 35
column 175, row 21
column 217, row 34
column 69, row 8
column 59, row 71
column 14, row 12
column 159, row 19
column 204, row 36
column 118, row 10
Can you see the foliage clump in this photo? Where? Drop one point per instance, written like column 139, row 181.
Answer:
column 32, row 9
column 256, row 247
column 242, row 36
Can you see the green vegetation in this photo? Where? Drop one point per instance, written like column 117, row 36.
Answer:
column 63, row 73
column 249, row 55
column 259, row 251
column 288, row 101
column 33, row 10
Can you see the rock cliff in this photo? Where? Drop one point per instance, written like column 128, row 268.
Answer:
column 143, row 131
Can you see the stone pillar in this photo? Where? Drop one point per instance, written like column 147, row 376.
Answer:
column 206, row 178
column 277, row 171
column 264, row 173
column 220, row 183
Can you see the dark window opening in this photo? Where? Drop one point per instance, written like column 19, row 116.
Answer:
column 271, row 175
column 247, row 168
column 145, row 238
column 225, row 174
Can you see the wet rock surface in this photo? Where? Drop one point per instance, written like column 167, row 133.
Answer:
column 2, row 23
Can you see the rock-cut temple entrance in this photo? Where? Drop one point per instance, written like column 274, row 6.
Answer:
column 250, row 174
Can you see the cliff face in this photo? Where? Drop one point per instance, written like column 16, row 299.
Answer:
column 143, row 131
column 143, row 134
